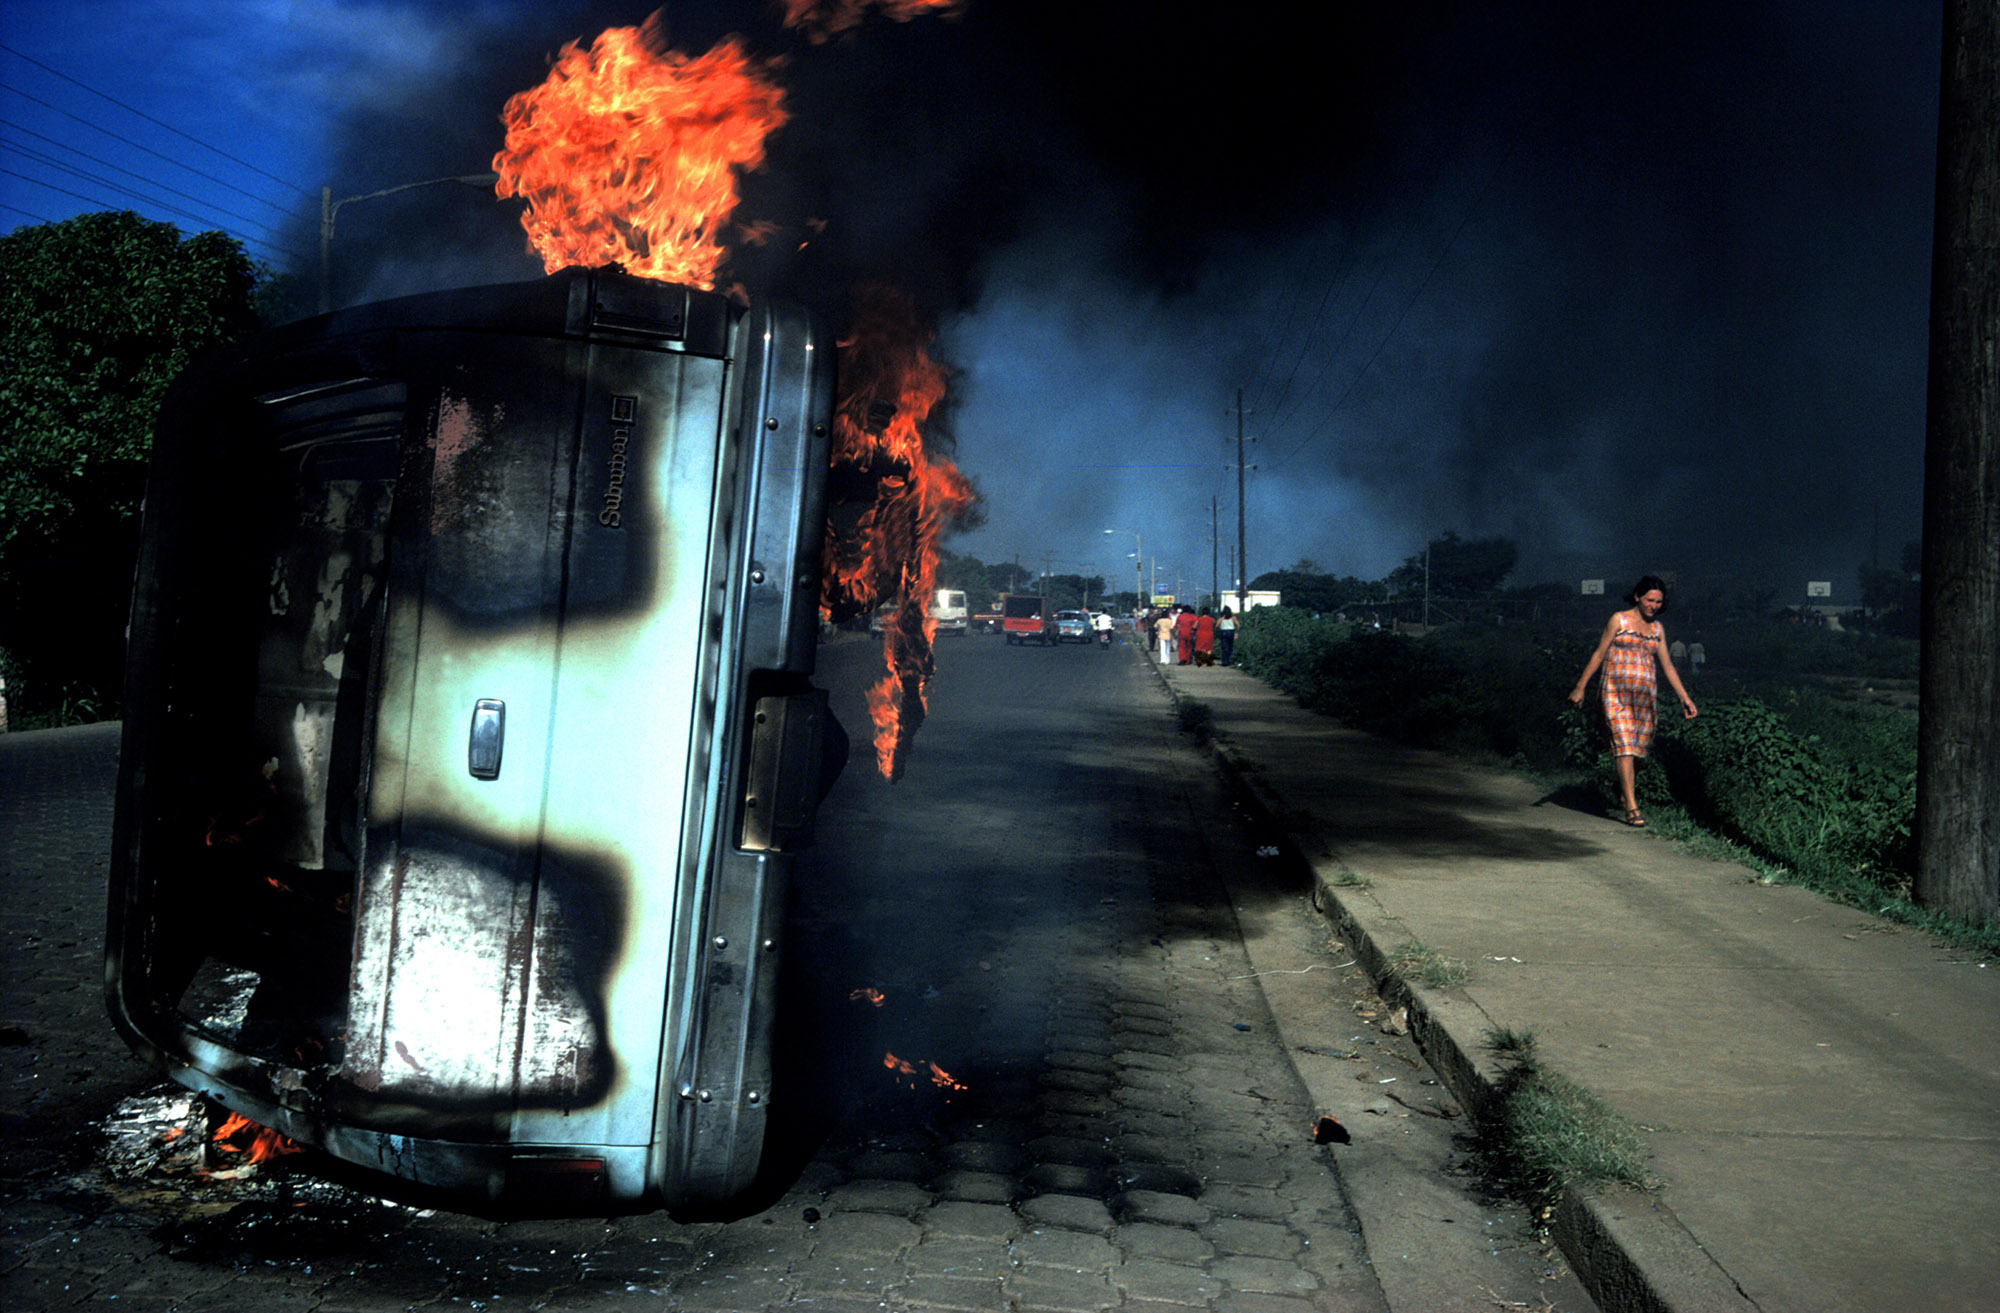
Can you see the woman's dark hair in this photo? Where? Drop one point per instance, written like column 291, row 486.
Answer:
column 1646, row 584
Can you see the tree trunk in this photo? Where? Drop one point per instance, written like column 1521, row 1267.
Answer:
column 1958, row 764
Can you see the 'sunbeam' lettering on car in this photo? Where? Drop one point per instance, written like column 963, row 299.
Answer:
column 624, row 410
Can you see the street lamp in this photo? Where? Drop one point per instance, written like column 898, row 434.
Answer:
column 329, row 207
column 1138, row 569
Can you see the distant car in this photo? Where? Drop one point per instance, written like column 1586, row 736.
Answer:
column 1072, row 627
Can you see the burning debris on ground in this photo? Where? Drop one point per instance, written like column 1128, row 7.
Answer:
column 184, row 1156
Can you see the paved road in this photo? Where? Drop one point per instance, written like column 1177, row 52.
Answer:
column 1072, row 1094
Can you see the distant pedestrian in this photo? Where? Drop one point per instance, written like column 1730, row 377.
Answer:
column 1633, row 645
column 1204, row 639
column 1696, row 655
column 1184, row 637
column 1225, row 636
column 1677, row 650
column 1163, row 633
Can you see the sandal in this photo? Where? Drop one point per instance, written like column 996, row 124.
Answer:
column 1634, row 819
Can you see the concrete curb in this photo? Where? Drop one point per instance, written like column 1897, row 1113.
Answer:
column 1629, row 1249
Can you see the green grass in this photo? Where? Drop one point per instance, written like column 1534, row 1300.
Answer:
column 1546, row 1132
column 1830, row 880
column 1417, row 960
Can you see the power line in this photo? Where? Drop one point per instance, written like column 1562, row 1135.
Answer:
column 306, row 192
column 1471, row 208
column 26, row 214
column 140, row 146
column 1277, row 338
column 1305, row 347
column 154, row 182
column 1347, row 334
column 97, row 202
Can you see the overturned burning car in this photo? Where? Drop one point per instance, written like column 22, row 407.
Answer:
column 469, row 734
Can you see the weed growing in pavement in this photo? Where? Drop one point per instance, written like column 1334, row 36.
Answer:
column 1546, row 1132
column 1351, row 879
column 1196, row 717
column 1425, row 964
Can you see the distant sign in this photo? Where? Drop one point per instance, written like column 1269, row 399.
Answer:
column 1819, row 588
column 1593, row 588
column 1163, row 599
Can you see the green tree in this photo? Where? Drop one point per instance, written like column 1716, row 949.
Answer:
column 1459, row 567
column 1311, row 589
column 98, row 315
column 1066, row 592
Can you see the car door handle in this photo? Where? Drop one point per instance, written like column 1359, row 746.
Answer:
column 489, row 735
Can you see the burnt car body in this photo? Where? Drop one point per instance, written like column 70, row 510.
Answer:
column 469, row 735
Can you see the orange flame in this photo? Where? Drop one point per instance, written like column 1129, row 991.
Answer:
column 628, row 153
column 260, row 1144
column 822, row 20
column 889, row 387
column 875, row 997
column 938, row 1075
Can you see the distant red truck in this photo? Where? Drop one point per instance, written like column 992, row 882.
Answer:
column 1025, row 617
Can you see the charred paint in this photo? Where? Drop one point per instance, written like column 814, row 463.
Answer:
column 320, row 915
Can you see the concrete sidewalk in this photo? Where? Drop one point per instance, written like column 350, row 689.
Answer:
column 1819, row 1089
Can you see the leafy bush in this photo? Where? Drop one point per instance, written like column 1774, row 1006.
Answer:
column 1473, row 688
column 1743, row 770
column 1776, row 647
column 1821, row 786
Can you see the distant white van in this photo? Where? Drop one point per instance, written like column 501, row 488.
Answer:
column 948, row 609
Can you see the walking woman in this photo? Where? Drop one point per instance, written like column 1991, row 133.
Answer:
column 1633, row 646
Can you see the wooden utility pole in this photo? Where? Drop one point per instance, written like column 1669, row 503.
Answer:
column 1958, row 754
column 1215, row 552
column 1242, row 558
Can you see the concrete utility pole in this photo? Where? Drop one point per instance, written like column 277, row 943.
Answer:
column 1958, row 753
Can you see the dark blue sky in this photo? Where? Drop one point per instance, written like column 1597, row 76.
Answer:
column 1642, row 290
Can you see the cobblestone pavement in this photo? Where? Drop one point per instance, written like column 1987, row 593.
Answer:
column 1070, row 1094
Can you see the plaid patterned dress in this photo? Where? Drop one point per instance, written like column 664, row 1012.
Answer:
column 1631, row 689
